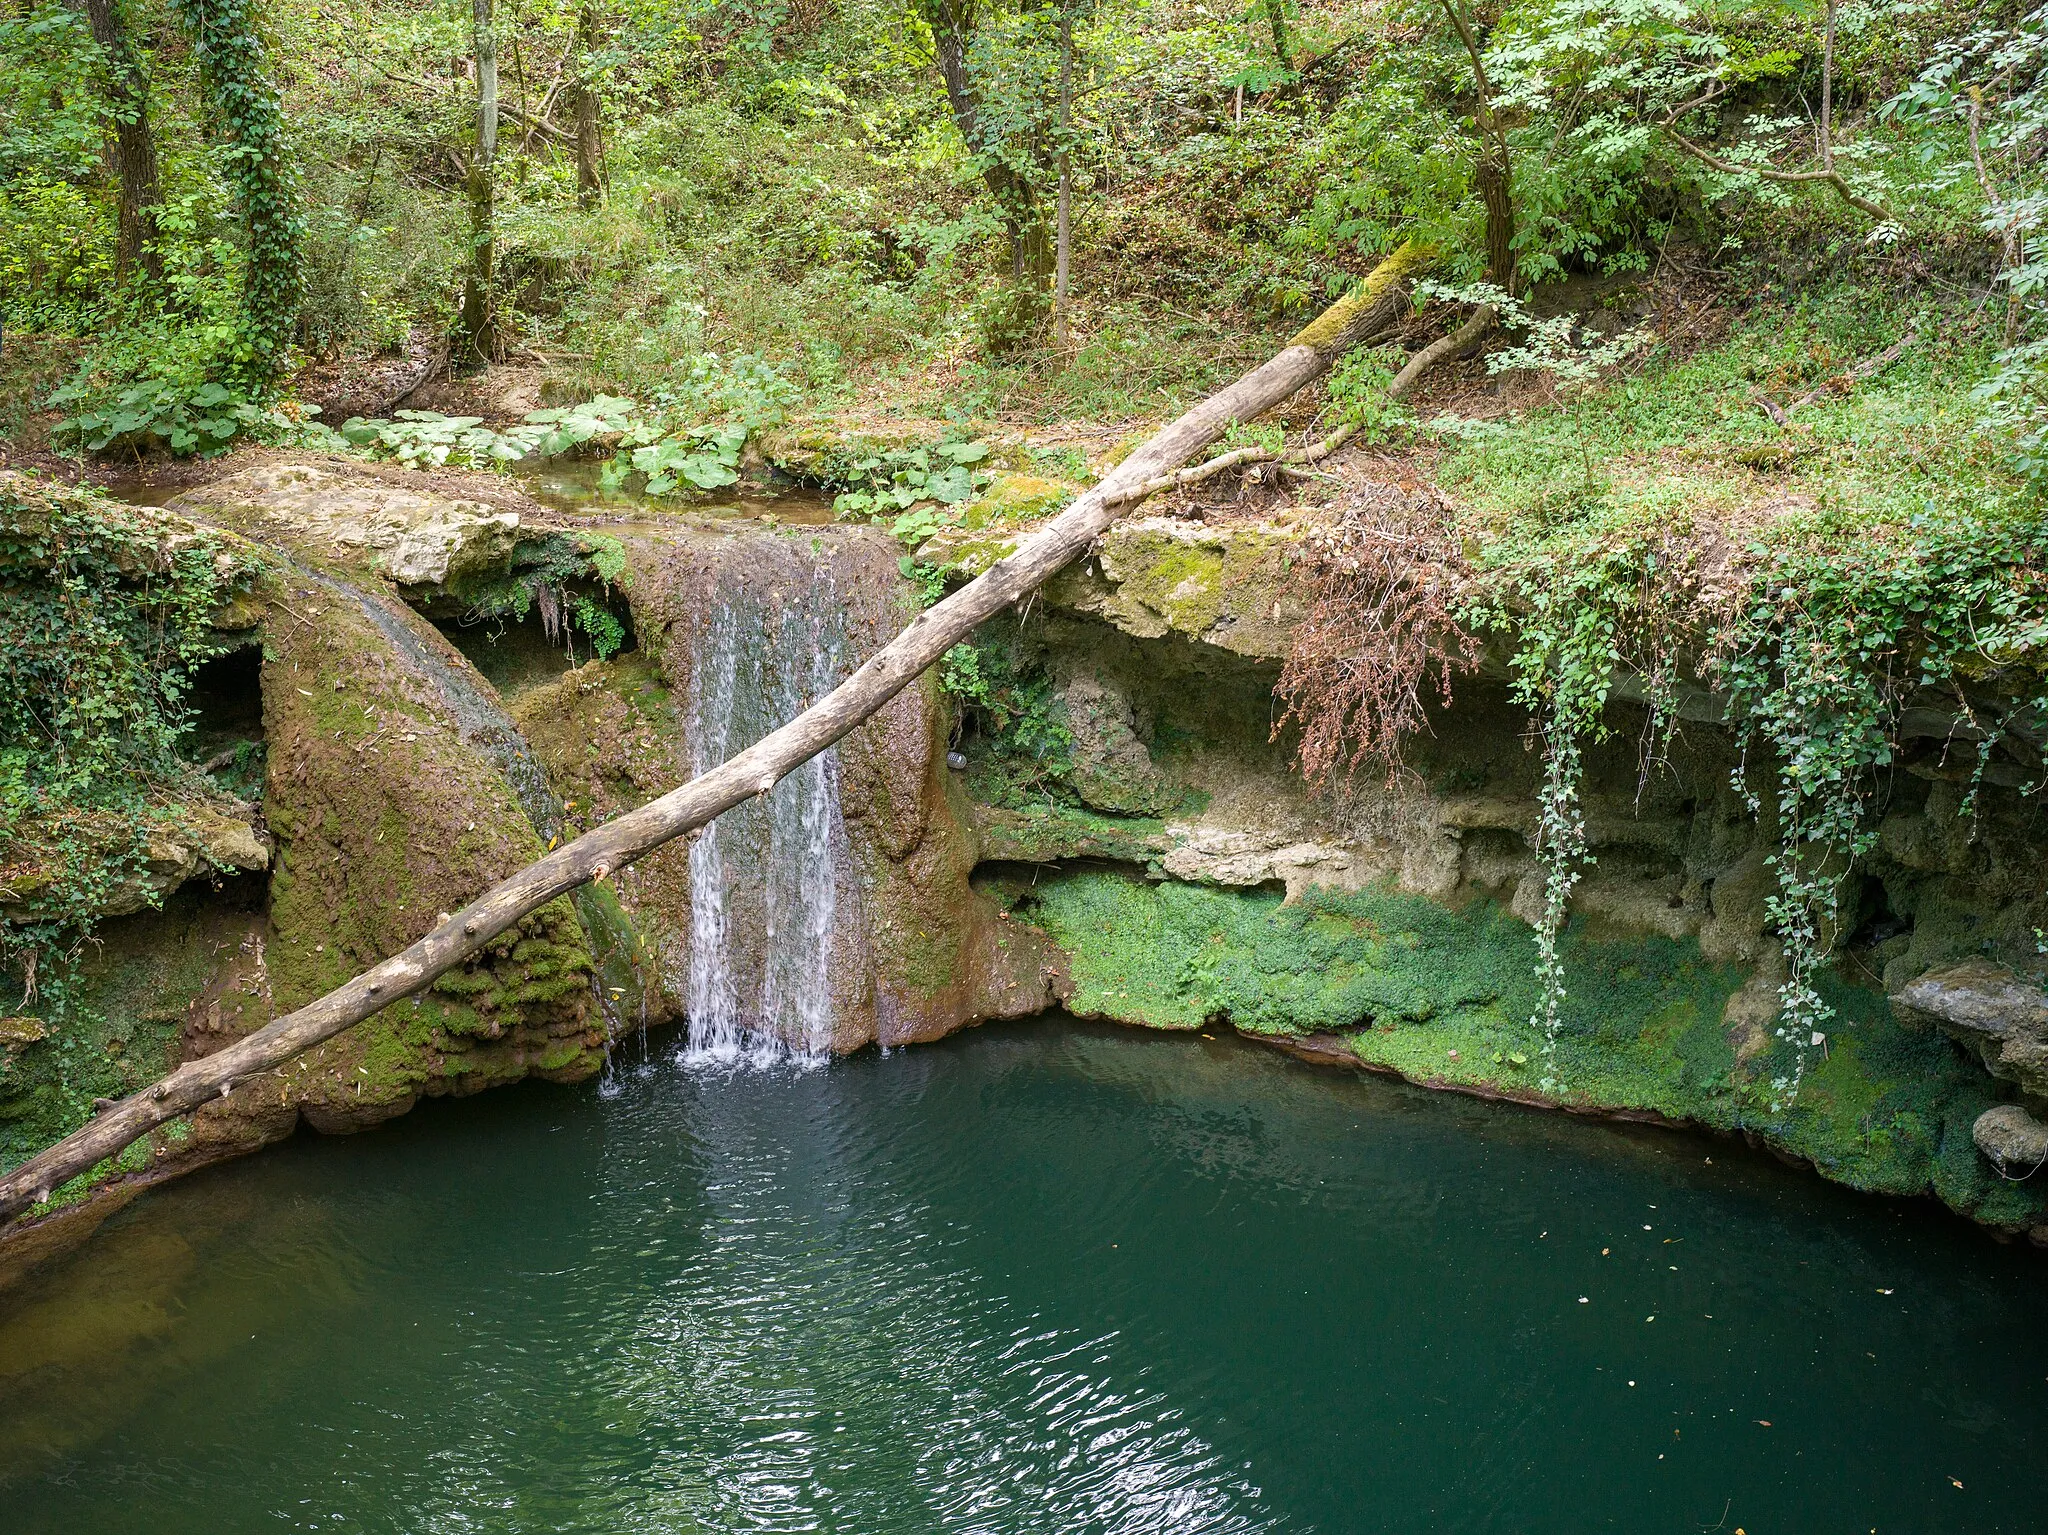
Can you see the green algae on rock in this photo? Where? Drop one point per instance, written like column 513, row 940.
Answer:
column 1445, row 997
column 1157, row 576
column 387, row 816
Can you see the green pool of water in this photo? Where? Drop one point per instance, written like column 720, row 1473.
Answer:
column 1033, row 1279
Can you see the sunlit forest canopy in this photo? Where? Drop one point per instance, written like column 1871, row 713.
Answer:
column 203, row 196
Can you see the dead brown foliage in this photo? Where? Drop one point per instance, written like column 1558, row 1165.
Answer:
column 1381, row 635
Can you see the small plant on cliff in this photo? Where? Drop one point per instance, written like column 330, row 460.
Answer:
column 1016, row 708
column 1566, row 621
column 1358, row 396
column 568, row 580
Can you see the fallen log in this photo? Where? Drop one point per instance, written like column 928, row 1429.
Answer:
column 600, row 853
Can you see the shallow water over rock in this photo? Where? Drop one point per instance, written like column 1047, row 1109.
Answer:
column 1036, row 1278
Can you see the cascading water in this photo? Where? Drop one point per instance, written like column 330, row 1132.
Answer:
column 773, row 644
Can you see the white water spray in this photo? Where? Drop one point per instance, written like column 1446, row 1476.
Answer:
column 774, row 862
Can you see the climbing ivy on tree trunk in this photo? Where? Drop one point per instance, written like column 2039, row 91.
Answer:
column 245, row 105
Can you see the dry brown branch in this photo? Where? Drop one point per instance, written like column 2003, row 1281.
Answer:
column 1827, row 175
column 1381, row 635
column 1841, row 383
column 1456, row 344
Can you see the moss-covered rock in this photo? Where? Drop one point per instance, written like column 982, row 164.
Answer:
column 391, row 808
column 612, row 738
column 199, row 832
column 153, row 989
column 1446, row 996
column 1108, row 766
column 1016, row 498
column 1152, row 577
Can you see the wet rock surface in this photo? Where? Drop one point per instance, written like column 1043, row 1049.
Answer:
column 1999, row 1013
column 392, row 808
column 2013, row 1139
column 1140, row 849
column 411, row 535
column 739, row 629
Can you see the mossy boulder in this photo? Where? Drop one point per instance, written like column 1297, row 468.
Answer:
column 1016, row 498
column 1110, row 769
column 391, row 808
column 1152, row 577
column 198, row 833
column 1995, row 1011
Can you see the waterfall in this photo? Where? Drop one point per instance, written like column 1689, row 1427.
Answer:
column 764, row 877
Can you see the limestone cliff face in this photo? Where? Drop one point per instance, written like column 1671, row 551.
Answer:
column 376, row 784
column 1183, row 878
column 1117, row 830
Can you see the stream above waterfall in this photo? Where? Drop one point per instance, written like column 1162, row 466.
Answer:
column 1037, row 1277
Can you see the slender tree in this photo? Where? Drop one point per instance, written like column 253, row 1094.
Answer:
column 476, row 326
column 1494, row 171
column 1031, row 249
column 244, row 101
column 137, row 187
column 1065, row 222
column 1276, row 18
column 589, row 152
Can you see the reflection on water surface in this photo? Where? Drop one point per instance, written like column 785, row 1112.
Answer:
column 1033, row 1279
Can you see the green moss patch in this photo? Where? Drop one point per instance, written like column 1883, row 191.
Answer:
column 1446, row 998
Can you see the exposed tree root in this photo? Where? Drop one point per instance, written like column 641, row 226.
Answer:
column 1456, row 344
column 1869, row 368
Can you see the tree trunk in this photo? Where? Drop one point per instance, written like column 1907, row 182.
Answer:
column 1276, row 14
column 1496, row 191
column 1031, row 249
column 1064, row 237
column 477, row 323
column 134, row 149
column 588, row 151
column 598, row 854
column 1493, row 175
